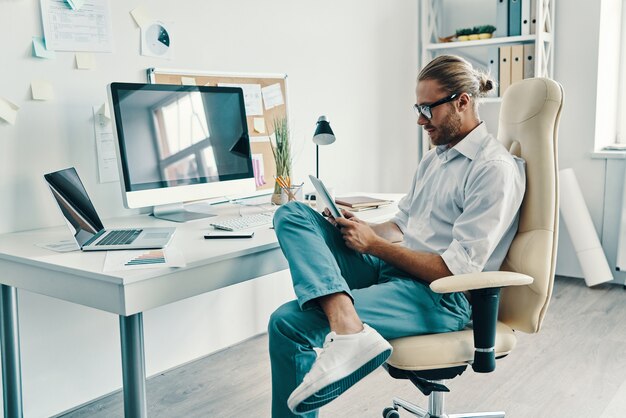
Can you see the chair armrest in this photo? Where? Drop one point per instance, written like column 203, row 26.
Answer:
column 482, row 280
column 484, row 289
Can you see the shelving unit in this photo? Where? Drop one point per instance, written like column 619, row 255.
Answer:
column 432, row 13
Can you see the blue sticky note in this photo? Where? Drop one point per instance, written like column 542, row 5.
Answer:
column 39, row 49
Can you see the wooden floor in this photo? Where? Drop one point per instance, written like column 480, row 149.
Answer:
column 575, row 367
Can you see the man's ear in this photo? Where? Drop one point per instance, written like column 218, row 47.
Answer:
column 464, row 102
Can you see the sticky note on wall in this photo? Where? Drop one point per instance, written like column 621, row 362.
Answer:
column 8, row 111
column 188, row 81
column 85, row 61
column 40, row 50
column 42, row 90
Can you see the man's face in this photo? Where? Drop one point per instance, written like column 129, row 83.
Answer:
column 445, row 124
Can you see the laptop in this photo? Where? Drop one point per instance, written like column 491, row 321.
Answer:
column 81, row 216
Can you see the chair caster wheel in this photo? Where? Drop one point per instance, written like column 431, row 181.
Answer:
column 390, row 413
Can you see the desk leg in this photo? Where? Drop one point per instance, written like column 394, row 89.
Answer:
column 133, row 366
column 11, row 370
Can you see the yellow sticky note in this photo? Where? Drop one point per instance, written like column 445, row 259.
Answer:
column 259, row 125
column 85, row 61
column 8, row 111
column 42, row 90
column 188, row 81
column 141, row 16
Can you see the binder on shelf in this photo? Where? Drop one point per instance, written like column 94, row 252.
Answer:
column 515, row 17
column 517, row 63
column 526, row 16
column 533, row 17
column 493, row 68
column 502, row 18
column 529, row 60
column 505, row 69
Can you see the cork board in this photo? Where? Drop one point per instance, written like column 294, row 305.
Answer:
column 272, row 89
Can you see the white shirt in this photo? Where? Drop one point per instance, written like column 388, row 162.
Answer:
column 464, row 203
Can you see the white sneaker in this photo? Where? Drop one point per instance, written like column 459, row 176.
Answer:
column 343, row 361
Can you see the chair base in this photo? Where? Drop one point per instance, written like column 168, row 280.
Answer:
column 422, row 413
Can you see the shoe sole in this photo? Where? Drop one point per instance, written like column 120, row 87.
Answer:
column 332, row 391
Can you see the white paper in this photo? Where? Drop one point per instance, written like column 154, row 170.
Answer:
column 188, row 81
column 141, row 16
column 105, row 147
column 8, row 111
column 62, row 246
column 104, row 110
column 251, row 97
column 76, row 4
column 272, row 96
column 85, row 61
column 123, row 260
column 87, row 29
column 156, row 40
column 41, row 90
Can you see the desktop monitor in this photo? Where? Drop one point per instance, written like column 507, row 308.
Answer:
column 180, row 143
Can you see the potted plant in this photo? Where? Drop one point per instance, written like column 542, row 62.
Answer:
column 281, row 148
column 475, row 33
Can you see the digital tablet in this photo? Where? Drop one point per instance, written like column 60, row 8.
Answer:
column 324, row 196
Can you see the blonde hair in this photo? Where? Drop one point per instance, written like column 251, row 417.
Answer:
column 456, row 75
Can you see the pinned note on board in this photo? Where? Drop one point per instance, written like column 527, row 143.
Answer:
column 8, row 111
column 40, row 50
column 188, row 81
column 259, row 125
column 272, row 96
column 42, row 90
column 85, row 61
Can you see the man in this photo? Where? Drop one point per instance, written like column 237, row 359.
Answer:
column 356, row 286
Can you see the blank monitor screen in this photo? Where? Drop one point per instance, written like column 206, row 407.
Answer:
column 174, row 136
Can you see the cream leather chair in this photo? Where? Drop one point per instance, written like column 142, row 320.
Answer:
column 516, row 298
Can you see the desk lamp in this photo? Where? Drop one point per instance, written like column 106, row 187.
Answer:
column 323, row 136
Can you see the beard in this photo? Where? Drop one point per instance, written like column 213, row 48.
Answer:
column 448, row 132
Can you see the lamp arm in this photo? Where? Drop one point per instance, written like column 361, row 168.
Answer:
column 317, row 161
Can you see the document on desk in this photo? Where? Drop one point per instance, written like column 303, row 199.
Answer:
column 87, row 29
column 143, row 259
column 105, row 147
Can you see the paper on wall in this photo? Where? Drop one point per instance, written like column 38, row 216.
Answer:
column 40, row 50
column 251, row 97
column 85, row 61
column 8, row 111
column 105, row 147
column 188, row 81
column 41, row 90
column 76, row 4
column 156, row 40
column 87, row 29
column 259, row 125
column 104, row 110
column 272, row 96
column 141, row 16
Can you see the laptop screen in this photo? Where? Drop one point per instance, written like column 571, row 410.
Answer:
column 72, row 198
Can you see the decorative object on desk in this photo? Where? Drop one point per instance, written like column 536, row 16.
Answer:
column 288, row 192
column 281, row 149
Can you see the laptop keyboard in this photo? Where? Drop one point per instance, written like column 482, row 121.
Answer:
column 121, row 237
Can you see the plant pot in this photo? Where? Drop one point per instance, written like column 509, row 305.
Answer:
column 463, row 38
column 484, row 35
column 473, row 37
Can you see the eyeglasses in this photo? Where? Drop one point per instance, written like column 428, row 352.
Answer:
column 426, row 109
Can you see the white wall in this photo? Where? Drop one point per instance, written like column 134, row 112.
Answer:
column 353, row 60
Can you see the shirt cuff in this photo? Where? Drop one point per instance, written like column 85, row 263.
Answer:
column 458, row 261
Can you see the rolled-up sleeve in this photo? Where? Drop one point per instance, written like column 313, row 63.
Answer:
column 493, row 195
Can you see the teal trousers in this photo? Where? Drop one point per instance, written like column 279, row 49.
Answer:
column 386, row 298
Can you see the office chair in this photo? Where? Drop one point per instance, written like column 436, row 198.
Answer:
column 515, row 298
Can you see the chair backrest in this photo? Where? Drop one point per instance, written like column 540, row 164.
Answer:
column 528, row 127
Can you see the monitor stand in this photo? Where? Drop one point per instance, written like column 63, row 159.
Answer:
column 176, row 212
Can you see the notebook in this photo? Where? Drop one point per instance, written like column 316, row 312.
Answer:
column 83, row 220
column 358, row 202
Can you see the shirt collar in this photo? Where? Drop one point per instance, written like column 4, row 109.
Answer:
column 468, row 146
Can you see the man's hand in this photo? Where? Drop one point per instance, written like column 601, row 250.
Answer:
column 331, row 218
column 357, row 234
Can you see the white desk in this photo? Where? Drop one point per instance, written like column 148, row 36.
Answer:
column 78, row 277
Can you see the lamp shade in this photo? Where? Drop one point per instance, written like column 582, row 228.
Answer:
column 323, row 133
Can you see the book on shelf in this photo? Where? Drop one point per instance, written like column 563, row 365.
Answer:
column 361, row 202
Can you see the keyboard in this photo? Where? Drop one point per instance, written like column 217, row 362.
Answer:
column 244, row 222
column 120, row 237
